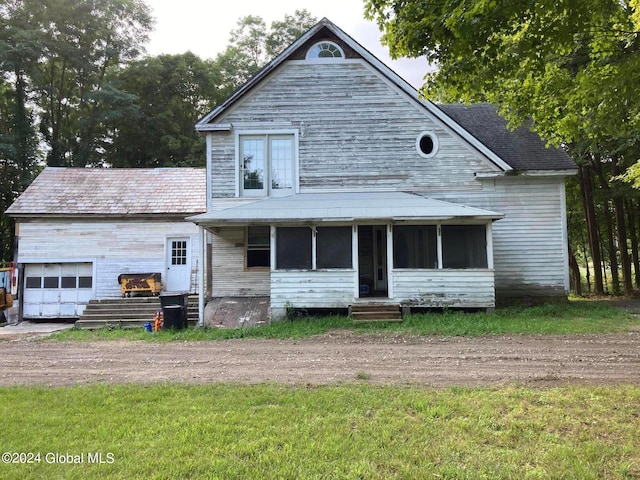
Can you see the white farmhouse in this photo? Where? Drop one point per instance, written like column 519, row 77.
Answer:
column 332, row 184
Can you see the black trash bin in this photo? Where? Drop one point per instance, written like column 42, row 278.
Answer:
column 174, row 309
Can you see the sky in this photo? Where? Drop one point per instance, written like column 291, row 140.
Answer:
column 203, row 27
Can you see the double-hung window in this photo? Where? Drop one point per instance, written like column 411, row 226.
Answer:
column 267, row 164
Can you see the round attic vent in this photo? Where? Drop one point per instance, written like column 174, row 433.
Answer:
column 427, row 144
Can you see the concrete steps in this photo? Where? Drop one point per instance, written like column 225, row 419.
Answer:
column 375, row 312
column 131, row 312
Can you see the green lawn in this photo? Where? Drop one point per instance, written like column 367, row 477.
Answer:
column 351, row 431
column 576, row 317
column 345, row 432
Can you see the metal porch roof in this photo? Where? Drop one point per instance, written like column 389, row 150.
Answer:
column 343, row 207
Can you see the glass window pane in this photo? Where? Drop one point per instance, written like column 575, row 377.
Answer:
column 51, row 282
column 68, row 282
column 293, row 248
column 415, row 246
column 253, row 163
column 179, row 252
column 281, row 156
column 333, row 247
column 33, row 282
column 464, row 246
column 258, row 247
column 258, row 237
column 85, row 282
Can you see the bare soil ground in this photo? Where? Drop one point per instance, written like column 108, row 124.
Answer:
column 337, row 357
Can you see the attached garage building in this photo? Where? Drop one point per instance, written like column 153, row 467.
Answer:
column 78, row 229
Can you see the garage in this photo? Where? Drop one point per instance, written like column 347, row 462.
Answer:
column 57, row 290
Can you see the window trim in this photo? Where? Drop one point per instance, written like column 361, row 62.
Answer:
column 434, row 140
column 309, row 55
column 314, row 250
column 268, row 192
column 440, row 249
column 247, row 268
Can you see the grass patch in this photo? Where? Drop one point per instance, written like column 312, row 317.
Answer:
column 348, row 431
column 576, row 317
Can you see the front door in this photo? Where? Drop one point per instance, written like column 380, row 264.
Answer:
column 380, row 257
column 178, row 272
column 372, row 261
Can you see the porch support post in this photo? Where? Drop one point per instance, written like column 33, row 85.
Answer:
column 439, row 245
column 489, row 233
column 202, row 275
column 355, row 261
column 390, row 260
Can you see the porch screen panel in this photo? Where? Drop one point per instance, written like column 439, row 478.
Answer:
column 415, row 246
column 333, row 247
column 464, row 246
column 293, row 248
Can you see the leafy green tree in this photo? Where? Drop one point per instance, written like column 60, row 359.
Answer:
column 17, row 160
column 73, row 44
column 571, row 67
column 171, row 92
column 252, row 45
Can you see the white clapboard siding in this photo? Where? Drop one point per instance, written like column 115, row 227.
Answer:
column 230, row 278
column 529, row 243
column 357, row 120
column 311, row 289
column 114, row 247
column 444, row 288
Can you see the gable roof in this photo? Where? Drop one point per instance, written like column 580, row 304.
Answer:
column 521, row 148
column 62, row 191
column 511, row 151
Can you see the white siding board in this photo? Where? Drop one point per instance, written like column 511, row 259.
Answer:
column 444, row 288
column 528, row 243
column 312, row 289
column 114, row 246
column 357, row 119
column 230, row 279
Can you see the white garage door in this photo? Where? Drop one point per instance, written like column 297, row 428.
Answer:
column 57, row 290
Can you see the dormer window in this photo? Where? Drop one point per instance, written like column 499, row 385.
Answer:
column 325, row 50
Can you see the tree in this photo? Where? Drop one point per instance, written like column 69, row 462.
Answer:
column 73, row 45
column 171, row 92
column 252, row 46
column 18, row 140
column 571, row 67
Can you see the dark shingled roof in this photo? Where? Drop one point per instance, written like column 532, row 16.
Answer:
column 521, row 148
column 61, row 191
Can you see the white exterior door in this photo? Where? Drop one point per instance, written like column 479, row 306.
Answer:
column 178, row 271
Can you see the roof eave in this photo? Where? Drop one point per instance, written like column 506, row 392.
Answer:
column 100, row 216
column 240, row 222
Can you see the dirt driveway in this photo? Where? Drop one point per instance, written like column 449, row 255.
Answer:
column 337, row 357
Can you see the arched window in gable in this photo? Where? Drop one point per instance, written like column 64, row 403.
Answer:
column 325, row 49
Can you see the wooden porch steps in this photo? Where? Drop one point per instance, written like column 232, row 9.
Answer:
column 131, row 312
column 375, row 312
